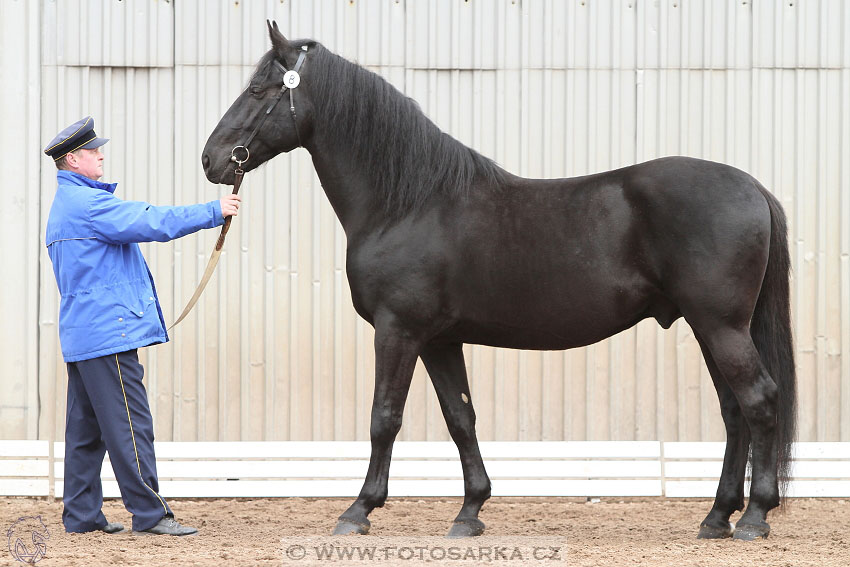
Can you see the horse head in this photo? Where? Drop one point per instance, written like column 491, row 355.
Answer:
column 272, row 115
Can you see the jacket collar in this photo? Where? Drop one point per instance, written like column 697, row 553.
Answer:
column 65, row 177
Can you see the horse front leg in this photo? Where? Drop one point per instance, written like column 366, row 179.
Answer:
column 448, row 374
column 395, row 359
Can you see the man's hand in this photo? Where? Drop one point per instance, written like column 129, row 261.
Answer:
column 230, row 205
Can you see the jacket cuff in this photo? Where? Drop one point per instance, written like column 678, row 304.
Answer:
column 219, row 218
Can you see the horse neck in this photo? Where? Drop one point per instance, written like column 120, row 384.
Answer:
column 347, row 185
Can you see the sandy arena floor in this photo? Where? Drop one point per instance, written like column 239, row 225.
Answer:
column 649, row 531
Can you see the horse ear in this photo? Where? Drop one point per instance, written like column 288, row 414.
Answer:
column 279, row 42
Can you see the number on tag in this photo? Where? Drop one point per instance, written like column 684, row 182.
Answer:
column 291, row 79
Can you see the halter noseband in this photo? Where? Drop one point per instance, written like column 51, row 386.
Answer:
column 291, row 79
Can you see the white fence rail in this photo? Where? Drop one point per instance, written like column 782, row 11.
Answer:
column 337, row 468
column 24, row 468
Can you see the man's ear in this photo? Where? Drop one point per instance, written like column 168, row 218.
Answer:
column 280, row 44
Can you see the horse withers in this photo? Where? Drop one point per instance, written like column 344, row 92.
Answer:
column 446, row 248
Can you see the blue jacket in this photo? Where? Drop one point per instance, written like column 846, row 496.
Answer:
column 109, row 302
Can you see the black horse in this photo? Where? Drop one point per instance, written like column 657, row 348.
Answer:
column 446, row 248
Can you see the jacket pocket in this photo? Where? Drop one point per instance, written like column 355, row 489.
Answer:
column 144, row 306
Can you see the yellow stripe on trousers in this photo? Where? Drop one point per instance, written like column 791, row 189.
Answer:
column 133, row 435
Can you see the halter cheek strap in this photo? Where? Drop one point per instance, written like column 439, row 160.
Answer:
column 301, row 56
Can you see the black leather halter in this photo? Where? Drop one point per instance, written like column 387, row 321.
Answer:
column 293, row 80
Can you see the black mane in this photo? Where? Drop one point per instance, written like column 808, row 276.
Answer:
column 409, row 158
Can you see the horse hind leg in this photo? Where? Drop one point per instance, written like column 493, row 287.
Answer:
column 739, row 363
column 395, row 359
column 730, row 489
column 447, row 370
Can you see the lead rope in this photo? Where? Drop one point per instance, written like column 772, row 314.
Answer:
column 219, row 245
column 236, row 184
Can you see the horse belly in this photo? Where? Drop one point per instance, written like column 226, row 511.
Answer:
column 574, row 316
column 554, row 274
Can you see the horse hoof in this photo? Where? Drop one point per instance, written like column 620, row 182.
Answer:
column 750, row 532
column 346, row 527
column 711, row 532
column 466, row 528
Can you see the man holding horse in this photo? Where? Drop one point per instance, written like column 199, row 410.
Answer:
column 109, row 309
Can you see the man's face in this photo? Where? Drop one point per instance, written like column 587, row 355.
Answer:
column 88, row 163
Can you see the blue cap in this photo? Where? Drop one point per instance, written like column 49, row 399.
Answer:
column 78, row 136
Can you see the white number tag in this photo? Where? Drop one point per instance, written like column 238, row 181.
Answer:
column 291, row 79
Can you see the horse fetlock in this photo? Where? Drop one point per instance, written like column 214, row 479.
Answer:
column 756, row 512
column 372, row 500
column 726, row 504
column 765, row 500
column 764, row 496
column 477, row 491
column 718, row 517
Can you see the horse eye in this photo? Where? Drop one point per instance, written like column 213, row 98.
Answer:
column 255, row 89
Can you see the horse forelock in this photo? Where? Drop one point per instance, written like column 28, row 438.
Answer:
column 406, row 156
column 261, row 71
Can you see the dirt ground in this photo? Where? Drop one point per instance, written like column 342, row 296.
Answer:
column 613, row 531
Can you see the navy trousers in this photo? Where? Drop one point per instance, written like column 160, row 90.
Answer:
column 108, row 411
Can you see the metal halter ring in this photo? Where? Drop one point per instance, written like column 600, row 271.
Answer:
column 233, row 157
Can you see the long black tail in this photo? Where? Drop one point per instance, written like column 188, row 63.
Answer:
column 771, row 332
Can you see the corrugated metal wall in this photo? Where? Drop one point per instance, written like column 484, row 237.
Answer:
column 548, row 88
column 20, row 88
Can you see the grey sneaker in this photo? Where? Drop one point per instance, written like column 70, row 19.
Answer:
column 113, row 528
column 169, row 526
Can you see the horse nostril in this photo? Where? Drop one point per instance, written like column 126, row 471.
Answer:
column 205, row 160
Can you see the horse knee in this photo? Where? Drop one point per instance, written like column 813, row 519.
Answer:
column 385, row 426
column 463, row 434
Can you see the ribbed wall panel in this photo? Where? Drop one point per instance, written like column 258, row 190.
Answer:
column 20, row 141
column 99, row 33
column 274, row 349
